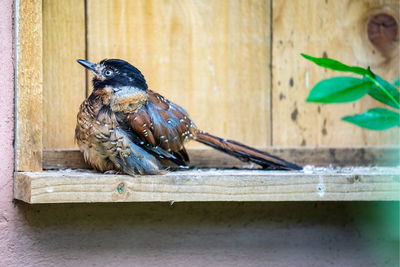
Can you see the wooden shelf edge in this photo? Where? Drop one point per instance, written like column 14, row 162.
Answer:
column 78, row 186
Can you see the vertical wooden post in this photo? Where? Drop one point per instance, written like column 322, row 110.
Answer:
column 28, row 82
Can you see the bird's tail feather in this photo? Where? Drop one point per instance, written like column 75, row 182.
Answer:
column 245, row 153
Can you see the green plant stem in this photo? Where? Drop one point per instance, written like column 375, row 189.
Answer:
column 383, row 89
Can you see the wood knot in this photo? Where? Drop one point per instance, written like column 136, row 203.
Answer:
column 121, row 188
column 354, row 179
column 383, row 31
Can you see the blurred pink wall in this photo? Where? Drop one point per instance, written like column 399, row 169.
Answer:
column 7, row 210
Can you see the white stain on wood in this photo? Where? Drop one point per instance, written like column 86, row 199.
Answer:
column 212, row 71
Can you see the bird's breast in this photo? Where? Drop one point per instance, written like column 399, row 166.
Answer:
column 95, row 134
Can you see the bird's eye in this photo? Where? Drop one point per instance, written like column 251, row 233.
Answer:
column 108, row 72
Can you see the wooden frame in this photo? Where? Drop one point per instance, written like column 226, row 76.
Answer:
column 33, row 185
column 64, row 180
column 28, row 86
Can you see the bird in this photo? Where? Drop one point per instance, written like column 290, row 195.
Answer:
column 124, row 127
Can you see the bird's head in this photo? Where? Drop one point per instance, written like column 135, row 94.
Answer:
column 115, row 74
column 122, row 86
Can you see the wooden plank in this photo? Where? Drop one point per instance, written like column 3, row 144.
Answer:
column 210, row 158
column 321, row 28
column 22, row 188
column 211, row 185
column 64, row 81
column 28, row 106
column 211, row 57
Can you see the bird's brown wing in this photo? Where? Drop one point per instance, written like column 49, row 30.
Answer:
column 160, row 127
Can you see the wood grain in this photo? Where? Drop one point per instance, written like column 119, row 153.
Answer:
column 64, row 81
column 336, row 29
column 29, row 115
column 211, row 57
column 210, row 158
column 209, row 185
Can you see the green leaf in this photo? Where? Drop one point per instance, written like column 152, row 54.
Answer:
column 379, row 95
column 339, row 90
column 396, row 83
column 375, row 119
column 335, row 65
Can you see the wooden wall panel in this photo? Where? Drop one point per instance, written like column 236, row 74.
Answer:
column 64, row 81
column 211, row 57
column 336, row 29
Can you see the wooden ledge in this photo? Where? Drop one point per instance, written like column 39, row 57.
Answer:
column 313, row 184
column 205, row 157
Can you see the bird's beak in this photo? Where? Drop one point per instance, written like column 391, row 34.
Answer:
column 89, row 65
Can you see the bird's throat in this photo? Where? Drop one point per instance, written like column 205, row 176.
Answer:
column 128, row 99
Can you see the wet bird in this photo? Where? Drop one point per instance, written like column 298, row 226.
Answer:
column 125, row 127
